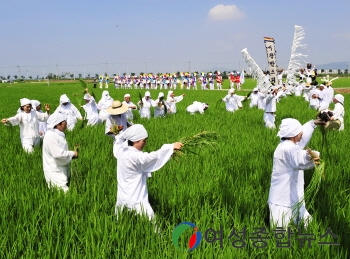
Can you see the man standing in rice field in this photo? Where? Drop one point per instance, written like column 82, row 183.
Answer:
column 56, row 156
column 134, row 167
column 286, row 197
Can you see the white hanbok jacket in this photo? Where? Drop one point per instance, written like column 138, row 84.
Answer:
column 171, row 103
column 196, row 107
column 29, row 125
column 289, row 161
column 56, row 159
column 133, row 168
column 338, row 114
column 145, row 108
column 232, row 102
column 91, row 112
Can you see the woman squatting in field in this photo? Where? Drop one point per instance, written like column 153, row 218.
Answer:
column 28, row 121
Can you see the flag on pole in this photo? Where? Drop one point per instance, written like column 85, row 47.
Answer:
column 242, row 77
column 271, row 58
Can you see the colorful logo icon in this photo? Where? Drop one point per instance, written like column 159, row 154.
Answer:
column 195, row 238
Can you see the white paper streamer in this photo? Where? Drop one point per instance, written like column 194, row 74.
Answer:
column 297, row 59
column 263, row 82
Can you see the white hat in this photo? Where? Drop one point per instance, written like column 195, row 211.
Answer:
column 161, row 94
column 147, row 93
column 339, row 98
column 126, row 95
column 34, row 103
column 87, row 97
column 255, row 89
column 54, row 119
column 289, row 128
column 170, row 92
column 231, row 91
column 25, row 101
column 64, row 99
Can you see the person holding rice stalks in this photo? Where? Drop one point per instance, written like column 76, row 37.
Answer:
column 131, row 105
column 172, row 100
column 197, row 107
column 69, row 110
column 145, row 105
column 28, row 121
column 287, row 180
column 134, row 167
column 116, row 121
column 91, row 109
column 105, row 102
column 56, row 156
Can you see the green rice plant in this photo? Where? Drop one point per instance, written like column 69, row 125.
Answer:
column 193, row 144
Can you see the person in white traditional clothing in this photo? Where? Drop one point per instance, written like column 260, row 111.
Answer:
column 287, row 181
column 314, row 100
column 172, row 100
column 134, row 167
column 338, row 111
column 233, row 101
column 68, row 109
column 261, row 100
column 322, row 96
column 28, row 121
column 56, row 156
column 254, row 97
column 145, row 105
column 36, row 106
column 298, row 88
column 160, row 109
column 105, row 102
column 131, row 105
column 117, row 118
column 197, row 107
column 91, row 109
column 270, row 107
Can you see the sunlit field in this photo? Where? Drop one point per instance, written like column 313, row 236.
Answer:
column 221, row 190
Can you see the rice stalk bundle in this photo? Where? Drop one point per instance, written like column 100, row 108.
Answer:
column 191, row 145
column 116, row 129
column 314, row 185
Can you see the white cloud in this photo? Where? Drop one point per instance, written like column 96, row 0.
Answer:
column 225, row 12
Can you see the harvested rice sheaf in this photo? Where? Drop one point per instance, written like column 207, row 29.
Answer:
column 193, row 144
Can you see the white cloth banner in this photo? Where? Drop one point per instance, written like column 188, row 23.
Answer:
column 271, row 58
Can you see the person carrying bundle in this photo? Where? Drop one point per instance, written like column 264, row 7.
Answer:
column 287, row 180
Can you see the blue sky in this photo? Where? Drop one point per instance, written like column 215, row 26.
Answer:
column 43, row 36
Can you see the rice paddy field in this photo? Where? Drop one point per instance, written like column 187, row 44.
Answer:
column 222, row 191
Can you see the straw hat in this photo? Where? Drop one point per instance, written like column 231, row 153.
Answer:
column 117, row 108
